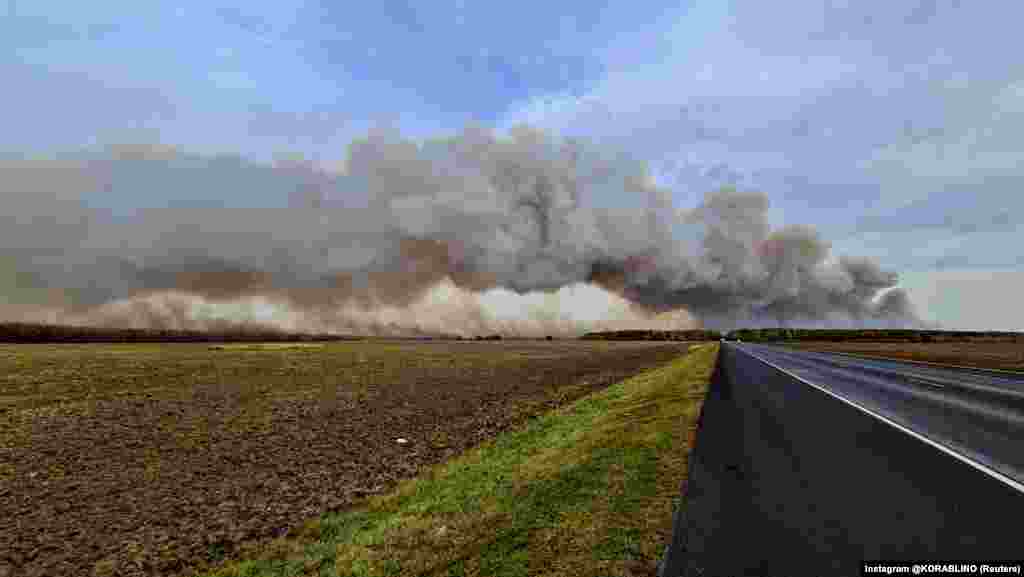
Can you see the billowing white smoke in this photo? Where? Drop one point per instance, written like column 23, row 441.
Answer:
column 415, row 236
column 445, row 309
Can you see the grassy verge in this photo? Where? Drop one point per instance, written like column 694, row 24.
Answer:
column 584, row 490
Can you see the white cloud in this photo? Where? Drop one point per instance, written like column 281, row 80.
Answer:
column 981, row 138
column 897, row 126
column 969, row 299
column 877, row 106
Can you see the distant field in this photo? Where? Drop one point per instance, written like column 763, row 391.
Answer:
column 147, row 459
column 992, row 355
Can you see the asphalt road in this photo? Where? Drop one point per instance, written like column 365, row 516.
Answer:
column 821, row 462
column 975, row 413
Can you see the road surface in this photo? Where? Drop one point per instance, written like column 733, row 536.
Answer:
column 811, row 463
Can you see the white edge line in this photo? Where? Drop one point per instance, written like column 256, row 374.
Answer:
column 979, row 466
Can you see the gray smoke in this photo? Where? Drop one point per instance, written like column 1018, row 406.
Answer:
column 524, row 212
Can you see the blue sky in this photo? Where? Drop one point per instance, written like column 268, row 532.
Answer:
column 896, row 127
column 201, row 72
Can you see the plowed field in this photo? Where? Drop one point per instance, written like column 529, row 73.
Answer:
column 154, row 459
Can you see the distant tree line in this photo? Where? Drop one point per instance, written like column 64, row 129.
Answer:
column 641, row 335
column 45, row 333
column 873, row 335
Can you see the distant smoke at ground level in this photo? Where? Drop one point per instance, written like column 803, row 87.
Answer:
column 521, row 233
column 444, row 309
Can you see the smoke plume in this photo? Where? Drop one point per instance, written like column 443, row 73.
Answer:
column 464, row 234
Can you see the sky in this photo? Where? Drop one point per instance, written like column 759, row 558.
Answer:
column 897, row 128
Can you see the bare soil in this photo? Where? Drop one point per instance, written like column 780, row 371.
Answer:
column 158, row 459
column 991, row 355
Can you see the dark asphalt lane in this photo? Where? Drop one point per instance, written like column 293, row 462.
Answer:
column 787, row 480
column 976, row 414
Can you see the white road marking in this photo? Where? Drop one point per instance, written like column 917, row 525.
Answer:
column 927, row 381
column 963, row 458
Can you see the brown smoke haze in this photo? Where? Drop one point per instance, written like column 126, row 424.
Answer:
column 522, row 234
